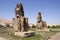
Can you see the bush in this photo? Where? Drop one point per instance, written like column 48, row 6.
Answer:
column 33, row 26
column 54, row 26
column 49, row 26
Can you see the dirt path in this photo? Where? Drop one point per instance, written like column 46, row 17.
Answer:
column 55, row 37
column 2, row 38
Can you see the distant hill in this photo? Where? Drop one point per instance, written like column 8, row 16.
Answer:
column 53, row 24
column 2, row 21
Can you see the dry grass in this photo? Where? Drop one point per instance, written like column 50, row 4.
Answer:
column 42, row 35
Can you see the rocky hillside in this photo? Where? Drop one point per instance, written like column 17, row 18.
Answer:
column 3, row 21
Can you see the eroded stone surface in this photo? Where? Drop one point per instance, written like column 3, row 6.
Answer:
column 25, row 34
column 40, row 24
column 20, row 23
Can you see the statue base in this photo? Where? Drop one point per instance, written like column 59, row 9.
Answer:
column 25, row 34
column 44, row 29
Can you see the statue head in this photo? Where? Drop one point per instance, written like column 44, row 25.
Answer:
column 19, row 7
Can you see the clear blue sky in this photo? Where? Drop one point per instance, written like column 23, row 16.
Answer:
column 50, row 10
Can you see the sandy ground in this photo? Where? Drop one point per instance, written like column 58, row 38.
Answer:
column 55, row 37
column 2, row 38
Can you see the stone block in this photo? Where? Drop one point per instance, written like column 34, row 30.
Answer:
column 25, row 34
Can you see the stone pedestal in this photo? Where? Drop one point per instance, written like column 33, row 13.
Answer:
column 25, row 34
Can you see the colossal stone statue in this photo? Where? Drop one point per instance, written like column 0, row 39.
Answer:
column 20, row 23
column 40, row 24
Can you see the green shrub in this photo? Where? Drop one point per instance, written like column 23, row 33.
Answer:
column 49, row 26
column 33, row 26
column 54, row 26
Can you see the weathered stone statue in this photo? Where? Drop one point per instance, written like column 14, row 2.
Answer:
column 40, row 24
column 20, row 23
column 39, row 17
